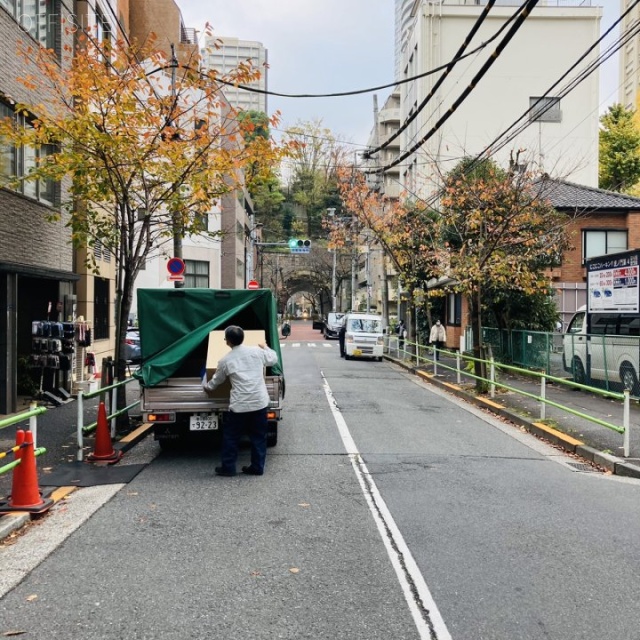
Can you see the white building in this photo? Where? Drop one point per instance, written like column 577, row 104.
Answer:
column 562, row 142
column 629, row 60
column 226, row 58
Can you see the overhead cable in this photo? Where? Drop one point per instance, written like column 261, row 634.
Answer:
column 518, row 22
column 456, row 58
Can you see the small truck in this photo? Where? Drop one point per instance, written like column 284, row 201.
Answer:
column 176, row 327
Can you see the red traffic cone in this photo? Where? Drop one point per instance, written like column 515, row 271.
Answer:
column 25, row 493
column 103, row 451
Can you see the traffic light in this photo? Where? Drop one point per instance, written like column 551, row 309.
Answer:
column 298, row 245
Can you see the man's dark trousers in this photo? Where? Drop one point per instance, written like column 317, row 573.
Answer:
column 254, row 424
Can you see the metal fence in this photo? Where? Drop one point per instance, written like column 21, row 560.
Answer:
column 423, row 354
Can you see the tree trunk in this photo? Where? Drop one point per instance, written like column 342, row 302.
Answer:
column 480, row 368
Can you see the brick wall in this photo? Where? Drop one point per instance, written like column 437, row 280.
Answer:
column 572, row 269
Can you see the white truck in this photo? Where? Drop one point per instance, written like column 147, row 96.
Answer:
column 602, row 341
column 364, row 336
column 174, row 336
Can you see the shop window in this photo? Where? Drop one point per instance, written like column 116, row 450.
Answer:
column 196, row 274
column 101, row 308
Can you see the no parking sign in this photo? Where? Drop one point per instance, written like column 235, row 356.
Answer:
column 176, row 267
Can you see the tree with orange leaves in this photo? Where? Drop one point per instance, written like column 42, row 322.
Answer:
column 149, row 147
column 405, row 231
column 501, row 234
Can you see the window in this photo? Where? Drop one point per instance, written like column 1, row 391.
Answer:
column 196, row 274
column 544, row 110
column 602, row 242
column 40, row 19
column 20, row 161
column 603, row 324
column 101, row 252
column 454, row 309
column 101, row 308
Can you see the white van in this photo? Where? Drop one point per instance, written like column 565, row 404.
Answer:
column 364, row 335
column 603, row 346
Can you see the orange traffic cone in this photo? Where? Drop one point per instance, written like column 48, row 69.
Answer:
column 103, row 451
column 25, row 493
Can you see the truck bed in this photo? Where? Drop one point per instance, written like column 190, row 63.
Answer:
column 186, row 395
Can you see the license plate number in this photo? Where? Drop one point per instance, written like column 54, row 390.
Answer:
column 203, row 422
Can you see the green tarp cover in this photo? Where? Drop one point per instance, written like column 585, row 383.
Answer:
column 175, row 326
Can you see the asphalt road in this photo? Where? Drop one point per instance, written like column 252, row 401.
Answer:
column 388, row 510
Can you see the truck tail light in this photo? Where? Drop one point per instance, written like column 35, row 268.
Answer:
column 160, row 417
column 271, row 415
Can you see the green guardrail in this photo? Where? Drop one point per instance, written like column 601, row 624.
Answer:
column 411, row 350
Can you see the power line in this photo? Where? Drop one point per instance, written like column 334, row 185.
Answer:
column 456, row 58
column 525, row 10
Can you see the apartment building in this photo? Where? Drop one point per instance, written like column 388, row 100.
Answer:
column 559, row 135
column 226, row 56
column 629, row 57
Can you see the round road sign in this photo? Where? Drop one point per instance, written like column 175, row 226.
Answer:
column 253, row 284
column 175, row 266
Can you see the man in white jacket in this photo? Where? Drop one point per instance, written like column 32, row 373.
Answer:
column 438, row 337
column 248, row 402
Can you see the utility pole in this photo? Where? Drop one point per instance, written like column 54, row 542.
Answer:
column 177, row 216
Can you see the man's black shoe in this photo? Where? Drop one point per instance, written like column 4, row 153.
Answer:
column 220, row 471
column 250, row 471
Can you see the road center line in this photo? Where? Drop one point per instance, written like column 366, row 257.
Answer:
column 423, row 608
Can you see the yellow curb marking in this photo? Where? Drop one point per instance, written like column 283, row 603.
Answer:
column 558, row 434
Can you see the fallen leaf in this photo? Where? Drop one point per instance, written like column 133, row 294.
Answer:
column 13, row 632
column 294, row 570
column 304, row 504
column 31, row 598
column 132, row 493
column 255, row 573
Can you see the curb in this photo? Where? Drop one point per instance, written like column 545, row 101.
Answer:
column 613, row 464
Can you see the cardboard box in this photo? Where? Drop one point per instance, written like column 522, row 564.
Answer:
column 218, row 347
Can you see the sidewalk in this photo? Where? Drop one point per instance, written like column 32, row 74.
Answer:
column 589, row 440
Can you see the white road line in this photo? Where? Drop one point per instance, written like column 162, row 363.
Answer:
column 422, row 606
column 330, row 346
column 295, row 344
column 312, row 344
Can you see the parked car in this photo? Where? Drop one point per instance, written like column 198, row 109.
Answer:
column 318, row 323
column 132, row 345
column 332, row 326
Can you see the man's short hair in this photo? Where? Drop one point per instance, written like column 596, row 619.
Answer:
column 234, row 334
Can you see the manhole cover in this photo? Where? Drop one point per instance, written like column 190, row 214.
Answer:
column 581, row 466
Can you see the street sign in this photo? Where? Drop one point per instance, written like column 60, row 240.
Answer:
column 253, row 284
column 175, row 266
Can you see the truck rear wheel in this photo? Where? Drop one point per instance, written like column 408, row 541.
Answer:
column 272, row 434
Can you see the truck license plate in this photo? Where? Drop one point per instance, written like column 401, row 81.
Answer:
column 357, row 352
column 203, row 422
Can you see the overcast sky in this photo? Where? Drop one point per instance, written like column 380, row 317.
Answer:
column 326, row 46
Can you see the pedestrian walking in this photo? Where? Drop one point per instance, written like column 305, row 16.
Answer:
column 341, row 336
column 401, row 332
column 438, row 337
column 248, row 402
